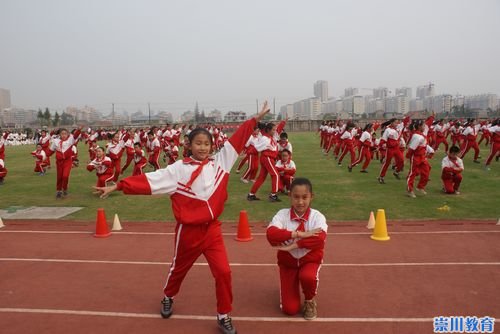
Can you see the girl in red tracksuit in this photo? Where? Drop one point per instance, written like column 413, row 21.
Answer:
column 253, row 157
column 268, row 149
column 40, row 162
column 348, row 144
column 198, row 189
column 451, row 171
column 3, row 171
column 114, row 150
column 140, row 160
column 417, row 153
column 286, row 169
column 299, row 234
column 470, row 134
column 63, row 147
column 44, row 140
column 495, row 142
column 391, row 138
column 153, row 148
column 103, row 167
column 365, row 152
column 129, row 149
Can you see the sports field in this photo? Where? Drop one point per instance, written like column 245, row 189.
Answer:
column 340, row 195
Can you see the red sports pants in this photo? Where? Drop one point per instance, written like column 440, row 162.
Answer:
column 39, row 166
column 63, row 172
column 393, row 152
column 253, row 167
column 495, row 149
column 285, row 182
column 117, row 168
column 292, row 278
column 191, row 241
column 468, row 145
column 350, row 149
column 451, row 183
column 418, row 166
column 138, row 169
column 266, row 167
column 365, row 154
column 130, row 157
column 439, row 140
column 153, row 160
column 103, row 178
column 242, row 162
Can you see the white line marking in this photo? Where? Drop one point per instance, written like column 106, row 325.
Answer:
column 255, row 234
column 388, row 264
column 206, row 317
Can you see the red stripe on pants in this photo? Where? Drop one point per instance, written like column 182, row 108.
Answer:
column 190, row 242
column 291, row 279
column 418, row 166
column 395, row 153
column 253, row 167
column 495, row 148
column 266, row 167
column 117, row 167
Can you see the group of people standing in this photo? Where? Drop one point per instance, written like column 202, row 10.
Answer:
column 419, row 139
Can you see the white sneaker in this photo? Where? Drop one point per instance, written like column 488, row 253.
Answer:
column 243, row 180
column 457, row 192
column 422, row 191
column 411, row 194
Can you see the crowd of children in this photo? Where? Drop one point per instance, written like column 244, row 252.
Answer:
column 420, row 139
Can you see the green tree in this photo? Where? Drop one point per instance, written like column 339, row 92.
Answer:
column 39, row 116
column 47, row 116
column 66, row 119
column 56, row 120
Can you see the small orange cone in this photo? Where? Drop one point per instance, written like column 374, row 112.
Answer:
column 380, row 231
column 244, row 233
column 371, row 221
column 101, row 227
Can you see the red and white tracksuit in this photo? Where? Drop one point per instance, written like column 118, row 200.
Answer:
column 286, row 171
column 40, row 162
column 104, row 170
column 451, row 174
column 114, row 150
column 3, row 139
column 153, row 148
column 64, row 159
column 3, row 170
column 440, row 131
column 348, row 146
column 198, row 190
column 470, row 134
column 298, row 267
column 129, row 150
column 268, row 149
column 140, row 162
column 417, row 153
column 495, row 143
column 391, row 138
column 365, row 151
column 253, row 158
column 45, row 142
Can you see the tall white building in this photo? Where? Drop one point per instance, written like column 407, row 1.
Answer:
column 416, row 104
column 425, row 91
column 307, row 109
column 321, row 90
column 351, row 91
column 380, row 92
column 4, row 99
column 405, row 91
column 397, row 104
column 482, row 101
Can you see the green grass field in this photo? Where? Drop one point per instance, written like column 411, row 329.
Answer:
column 338, row 194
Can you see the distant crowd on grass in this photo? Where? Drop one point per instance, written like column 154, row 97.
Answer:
column 417, row 140
column 268, row 150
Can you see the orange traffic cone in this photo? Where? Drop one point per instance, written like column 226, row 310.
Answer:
column 380, row 231
column 244, row 233
column 371, row 221
column 101, row 227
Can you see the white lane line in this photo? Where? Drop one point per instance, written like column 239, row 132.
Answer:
column 205, row 317
column 255, row 234
column 388, row 264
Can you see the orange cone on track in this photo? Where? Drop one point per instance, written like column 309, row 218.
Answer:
column 244, row 233
column 101, row 227
column 380, row 231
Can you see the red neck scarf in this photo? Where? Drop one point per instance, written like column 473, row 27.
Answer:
column 302, row 220
column 197, row 171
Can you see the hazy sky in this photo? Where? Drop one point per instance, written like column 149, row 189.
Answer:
column 226, row 54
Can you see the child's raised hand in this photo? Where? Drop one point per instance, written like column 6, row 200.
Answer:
column 105, row 191
column 263, row 111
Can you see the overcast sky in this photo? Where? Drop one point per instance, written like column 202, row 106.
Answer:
column 227, row 54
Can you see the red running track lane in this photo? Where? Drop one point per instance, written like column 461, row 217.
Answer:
column 359, row 280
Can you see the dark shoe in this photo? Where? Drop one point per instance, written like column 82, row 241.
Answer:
column 59, row 194
column 226, row 325
column 349, row 168
column 252, row 198
column 363, row 171
column 381, row 180
column 166, row 307
column 310, row 312
column 396, row 175
column 476, row 161
column 65, row 193
column 274, row 198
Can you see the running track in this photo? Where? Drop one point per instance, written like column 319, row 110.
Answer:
column 56, row 278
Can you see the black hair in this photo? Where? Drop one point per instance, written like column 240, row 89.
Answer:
column 349, row 126
column 152, row 133
column 301, row 181
column 284, row 135
column 261, row 125
column 198, row 131
column 268, row 127
column 368, row 127
column 416, row 124
column 137, row 144
column 454, row 149
column 287, row 151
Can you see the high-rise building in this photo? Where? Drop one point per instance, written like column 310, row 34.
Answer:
column 4, row 99
column 287, row 111
column 416, row 104
column 425, row 91
column 380, row 92
column 351, row 91
column 482, row 101
column 321, row 90
column 405, row 91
